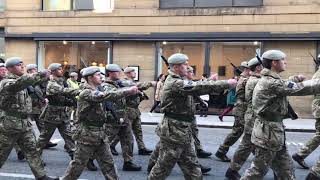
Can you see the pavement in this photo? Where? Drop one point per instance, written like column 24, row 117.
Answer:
column 212, row 121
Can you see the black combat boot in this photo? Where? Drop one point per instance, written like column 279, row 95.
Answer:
column 150, row 166
column 91, row 166
column 222, row 157
column 144, row 151
column 48, row 178
column 50, row 145
column 20, row 155
column 71, row 154
column 204, row 169
column 203, row 154
column 130, row 166
column 311, row 176
column 114, row 151
column 300, row 161
column 232, row 174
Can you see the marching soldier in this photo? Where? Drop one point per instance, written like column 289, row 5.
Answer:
column 314, row 142
column 270, row 105
column 240, row 108
column 120, row 125
column 134, row 112
column 91, row 136
column 175, row 128
column 55, row 116
column 14, row 125
column 246, row 147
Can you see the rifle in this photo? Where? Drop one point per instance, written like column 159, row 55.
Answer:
column 314, row 59
column 238, row 71
column 165, row 61
column 108, row 106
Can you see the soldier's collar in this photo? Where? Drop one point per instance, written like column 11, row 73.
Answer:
column 87, row 86
column 173, row 74
column 12, row 76
column 256, row 74
column 268, row 72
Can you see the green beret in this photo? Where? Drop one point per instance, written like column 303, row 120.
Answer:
column 254, row 61
column 244, row 64
column 189, row 69
column 90, row 71
column 2, row 65
column 274, row 55
column 54, row 66
column 178, row 58
column 13, row 61
column 73, row 74
column 113, row 68
column 128, row 69
column 31, row 66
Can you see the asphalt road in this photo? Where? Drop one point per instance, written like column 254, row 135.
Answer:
column 57, row 160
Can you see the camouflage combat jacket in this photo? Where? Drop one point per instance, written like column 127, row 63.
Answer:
column 178, row 106
column 134, row 101
column 15, row 101
column 249, row 116
column 270, row 105
column 92, row 114
column 240, row 106
column 58, row 95
column 316, row 100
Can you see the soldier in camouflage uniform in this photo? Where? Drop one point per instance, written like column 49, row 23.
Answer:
column 14, row 125
column 314, row 142
column 270, row 105
column 195, row 133
column 37, row 93
column 240, row 108
column 120, row 125
column 134, row 112
column 91, row 136
column 175, row 128
column 246, row 146
column 55, row 115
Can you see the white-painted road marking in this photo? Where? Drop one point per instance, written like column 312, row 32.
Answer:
column 28, row 176
column 55, row 140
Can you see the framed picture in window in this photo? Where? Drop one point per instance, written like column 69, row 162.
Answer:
column 137, row 70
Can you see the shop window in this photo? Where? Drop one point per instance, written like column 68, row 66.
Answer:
column 224, row 53
column 74, row 55
column 194, row 50
column 2, row 5
column 57, row 5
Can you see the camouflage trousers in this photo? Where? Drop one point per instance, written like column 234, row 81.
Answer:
column 279, row 161
column 126, row 139
column 82, row 154
column 242, row 153
column 169, row 155
column 135, row 120
column 316, row 169
column 312, row 144
column 26, row 140
column 39, row 122
column 64, row 130
column 195, row 135
column 237, row 130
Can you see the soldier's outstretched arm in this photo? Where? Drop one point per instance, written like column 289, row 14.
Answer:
column 56, row 89
column 98, row 96
column 290, row 88
column 144, row 85
column 200, row 87
column 9, row 86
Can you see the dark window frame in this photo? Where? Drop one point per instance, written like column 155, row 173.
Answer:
column 194, row 5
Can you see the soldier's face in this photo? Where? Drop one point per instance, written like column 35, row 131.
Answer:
column 34, row 70
column 58, row 72
column 3, row 72
column 280, row 65
column 190, row 75
column 131, row 74
column 96, row 79
column 114, row 75
column 181, row 69
column 17, row 69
